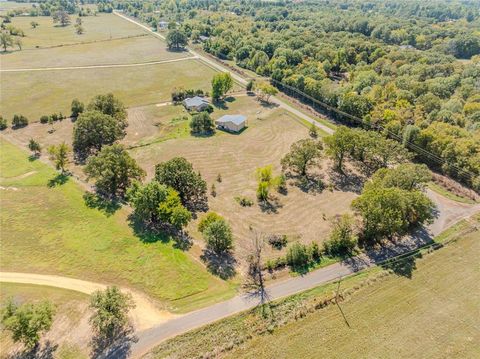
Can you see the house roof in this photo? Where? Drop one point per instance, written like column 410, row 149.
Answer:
column 195, row 101
column 236, row 119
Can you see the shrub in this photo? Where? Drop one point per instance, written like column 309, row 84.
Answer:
column 44, row 119
column 343, row 239
column 218, row 236
column 3, row 123
column 54, row 117
column 277, row 263
column 19, row 121
column 297, row 256
column 277, row 241
column 207, row 219
column 314, row 252
column 244, row 201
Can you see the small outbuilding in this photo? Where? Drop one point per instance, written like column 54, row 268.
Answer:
column 196, row 103
column 232, row 123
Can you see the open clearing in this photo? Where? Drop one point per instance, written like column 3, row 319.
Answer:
column 302, row 216
column 51, row 231
column 140, row 49
column 34, row 94
column 97, row 28
column 70, row 329
column 432, row 315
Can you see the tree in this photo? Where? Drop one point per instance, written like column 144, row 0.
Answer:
column 113, row 170
column 34, row 24
column 110, row 312
column 218, row 236
column 254, row 282
column 18, row 42
column 313, row 132
column 27, row 322
column 302, row 155
column 3, row 123
column 93, row 130
column 250, row 85
column 77, row 108
column 202, row 124
column 156, row 203
column 79, row 29
column 176, row 39
column 407, row 176
column 266, row 181
column 34, row 146
column 390, row 212
column 343, row 239
column 59, row 155
column 108, row 104
column 339, row 145
column 178, row 173
column 266, row 90
column 221, row 84
column 62, row 17
column 297, row 256
column 207, row 219
column 19, row 121
column 6, row 40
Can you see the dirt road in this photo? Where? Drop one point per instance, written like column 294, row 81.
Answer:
column 144, row 316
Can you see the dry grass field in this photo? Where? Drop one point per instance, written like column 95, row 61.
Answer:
column 70, row 332
column 140, row 49
column 301, row 215
column 97, row 28
column 6, row 6
column 34, row 94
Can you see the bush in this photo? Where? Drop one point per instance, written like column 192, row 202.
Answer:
column 19, row 121
column 274, row 264
column 207, row 219
column 44, row 119
column 218, row 236
column 314, row 252
column 244, row 201
column 277, row 241
column 343, row 239
column 3, row 123
column 297, row 256
column 202, row 124
column 54, row 117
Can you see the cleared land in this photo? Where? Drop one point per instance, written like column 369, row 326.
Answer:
column 6, row 6
column 50, row 230
column 97, row 28
column 432, row 315
column 301, row 215
column 34, row 94
column 70, row 329
column 139, row 49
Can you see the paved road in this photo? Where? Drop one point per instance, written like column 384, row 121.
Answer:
column 100, row 66
column 274, row 99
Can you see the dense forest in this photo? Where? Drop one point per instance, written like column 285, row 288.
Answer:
column 410, row 68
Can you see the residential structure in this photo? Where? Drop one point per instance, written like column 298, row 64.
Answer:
column 196, row 103
column 232, row 123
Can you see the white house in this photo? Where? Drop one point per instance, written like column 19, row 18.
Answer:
column 196, row 103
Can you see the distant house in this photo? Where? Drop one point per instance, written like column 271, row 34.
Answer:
column 196, row 103
column 233, row 123
column 162, row 25
column 203, row 38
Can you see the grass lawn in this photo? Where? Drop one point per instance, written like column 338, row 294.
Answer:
column 432, row 315
column 52, row 231
column 100, row 27
column 34, row 94
column 70, row 329
column 141, row 48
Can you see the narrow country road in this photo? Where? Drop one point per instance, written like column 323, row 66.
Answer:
column 100, row 66
column 274, row 99
column 145, row 314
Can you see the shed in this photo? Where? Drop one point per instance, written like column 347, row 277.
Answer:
column 233, row 123
column 196, row 103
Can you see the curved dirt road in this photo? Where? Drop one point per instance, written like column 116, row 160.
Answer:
column 145, row 314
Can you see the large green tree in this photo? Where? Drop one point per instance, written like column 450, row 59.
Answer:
column 302, row 155
column 221, row 84
column 218, row 236
column 113, row 171
column 202, row 124
column 178, row 173
column 176, row 39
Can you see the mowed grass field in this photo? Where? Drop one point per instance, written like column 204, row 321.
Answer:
column 432, row 315
column 303, row 216
column 34, row 94
column 70, row 329
column 52, row 231
column 139, row 49
column 6, row 6
column 97, row 28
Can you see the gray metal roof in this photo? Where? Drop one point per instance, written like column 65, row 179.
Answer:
column 236, row 119
column 195, row 101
